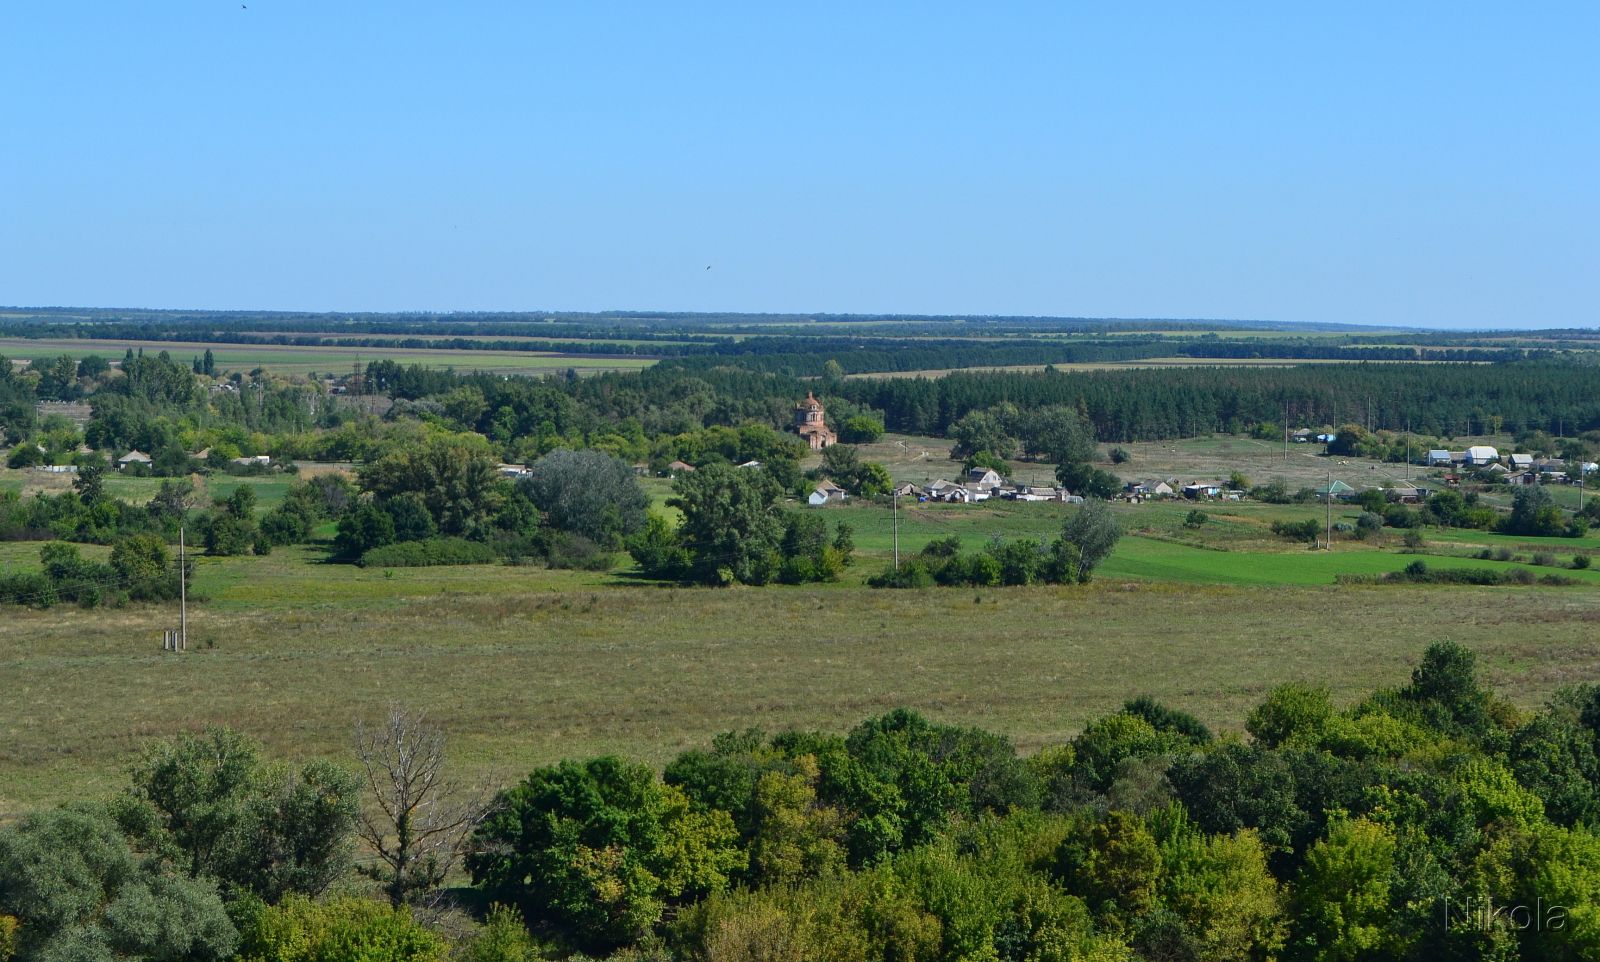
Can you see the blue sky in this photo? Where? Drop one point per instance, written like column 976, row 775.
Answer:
column 1416, row 163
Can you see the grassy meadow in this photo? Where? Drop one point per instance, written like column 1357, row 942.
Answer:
column 524, row 665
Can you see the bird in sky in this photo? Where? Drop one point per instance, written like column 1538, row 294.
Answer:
column 708, row 267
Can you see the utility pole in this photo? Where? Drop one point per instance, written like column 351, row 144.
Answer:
column 183, row 594
column 1408, row 449
column 897, row 529
column 1328, row 499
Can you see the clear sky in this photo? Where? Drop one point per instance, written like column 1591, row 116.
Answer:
column 1410, row 163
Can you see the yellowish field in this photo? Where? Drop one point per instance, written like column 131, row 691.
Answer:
column 294, row 359
column 1142, row 364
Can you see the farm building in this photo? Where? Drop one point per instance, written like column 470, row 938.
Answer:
column 1202, row 489
column 1520, row 462
column 1302, row 436
column 907, row 490
column 1482, row 454
column 1439, row 456
column 679, row 467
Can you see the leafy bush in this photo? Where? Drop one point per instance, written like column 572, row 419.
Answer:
column 345, row 928
column 1306, row 530
column 433, row 551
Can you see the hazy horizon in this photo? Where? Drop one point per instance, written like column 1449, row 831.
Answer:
column 1427, row 166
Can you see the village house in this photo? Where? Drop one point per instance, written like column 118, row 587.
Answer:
column 1036, row 493
column 1520, row 462
column 1336, row 488
column 1201, row 489
column 1302, row 436
column 1481, row 455
column 907, row 490
column 1407, row 494
column 1148, row 489
column 1439, row 456
column 826, row 492
column 810, row 422
column 679, row 467
column 986, row 478
column 133, row 457
column 255, row 460
column 514, row 471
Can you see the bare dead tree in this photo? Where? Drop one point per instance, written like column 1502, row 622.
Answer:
column 416, row 822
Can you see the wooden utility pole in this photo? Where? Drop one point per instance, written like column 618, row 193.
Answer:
column 896, row 498
column 1328, row 499
column 183, row 594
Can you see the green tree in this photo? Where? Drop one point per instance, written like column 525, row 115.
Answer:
column 794, row 837
column 1290, row 709
column 1534, row 513
column 454, row 475
column 1342, row 907
column 82, row 894
column 90, row 483
column 597, row 850
column 1087, row 481
column 361, row 530
column 1094, row 531
column 982, row 431
column 587, row 493
column 861, row 429
column 732, row 524
column 261, row 827
column 1221, row 887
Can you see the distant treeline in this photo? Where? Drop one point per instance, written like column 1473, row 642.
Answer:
column 1441, row 400
column 1437, row 400
column 809, row 357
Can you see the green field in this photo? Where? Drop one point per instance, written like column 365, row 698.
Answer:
column 291, row 359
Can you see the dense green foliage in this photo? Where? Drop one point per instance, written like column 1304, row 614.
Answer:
column 1428, row 821
column 736, row 531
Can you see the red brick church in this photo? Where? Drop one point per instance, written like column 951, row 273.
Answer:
column 810, row 422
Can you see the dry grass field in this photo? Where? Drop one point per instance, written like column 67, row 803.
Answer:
column 296, row 359
column 524, row 665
